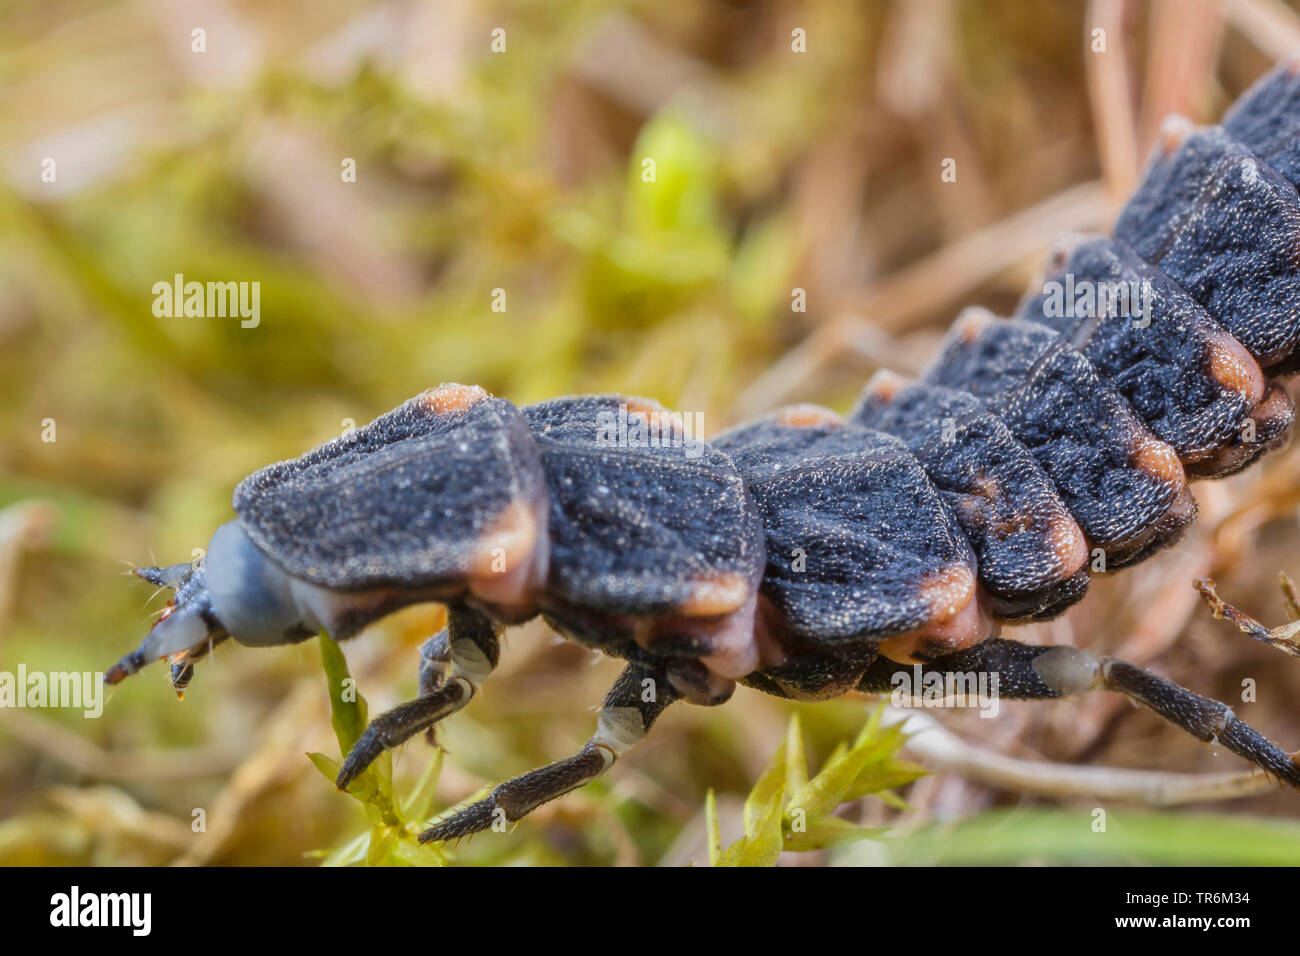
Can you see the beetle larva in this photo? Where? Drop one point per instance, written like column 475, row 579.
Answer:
column 806, row 554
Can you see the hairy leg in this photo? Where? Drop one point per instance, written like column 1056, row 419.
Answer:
column 435, row 660
column 1027, row 672
column 471, row 649
column 637, row 698
column 435, row 657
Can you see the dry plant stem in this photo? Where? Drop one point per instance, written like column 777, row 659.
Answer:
column 941, row 748
column 914, row 55
column 70, row 748
column 107, row 810
column 1290, row 598
column 23, row 526
column 632, row 66
column 1269, row 24
column 286, row 735
column 1285, row 637
column 1109, row 90
column 1182, row 52
column 893, row 303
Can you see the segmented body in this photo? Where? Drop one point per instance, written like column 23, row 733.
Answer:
column 809, row 554
column 787, row 553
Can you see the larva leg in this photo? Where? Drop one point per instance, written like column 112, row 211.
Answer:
column 1027, row 672
column 637, row 698
column 435, row 655
column 472, row 650
column 435, row 659
column 1207, row 719
column 1013, row 662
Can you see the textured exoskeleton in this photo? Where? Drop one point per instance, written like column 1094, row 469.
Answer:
column 806, row 555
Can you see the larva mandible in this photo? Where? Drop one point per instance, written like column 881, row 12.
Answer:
column 806, row 554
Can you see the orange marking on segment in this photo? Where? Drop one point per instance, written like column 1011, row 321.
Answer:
column 718, row 594
column 1068, row 543
column 971, row 323
column 446, row 399
column 969, row 508
column 808, row 416
column 636, row 405
column 1015, row 524
column 885, row 385
column 1158, row 459
column 1059, row 256
column 1173, row 132
column 985, row 486
column 514, row 533
column 652, row 415
column 1234, row 368
column 1275, row 404
column 958, row 618
column 948, row 590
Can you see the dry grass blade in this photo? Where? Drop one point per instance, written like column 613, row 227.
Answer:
column 1110, row 91
column 1184, row 45
column 939, row 747
column 1285, row 637
column 75, row 751
column 1269, row 24
column 279, row 755
column 894, row 302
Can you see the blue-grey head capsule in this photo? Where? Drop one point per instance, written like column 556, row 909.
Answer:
column 251, row 595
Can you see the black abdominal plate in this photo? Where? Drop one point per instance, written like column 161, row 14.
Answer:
column 415, row 500
column 1266, row 118
column 1125, row 488
column 1192, row 384
column 1222, row 223
column 842, row 568
column 807, row 555
column 656, row 550
column 1032, row 554
column 640, row 529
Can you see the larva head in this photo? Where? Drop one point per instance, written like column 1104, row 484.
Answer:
column 236, row 592
column 185, row 631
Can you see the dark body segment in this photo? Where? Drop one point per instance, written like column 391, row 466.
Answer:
column 1125, row 488
column 1225, row 226
column 1032, row 555
column 1266, row 120
column 860, row 546
column 805, row 556
column 655, row 545
column 1193, row 384
column 427, row 496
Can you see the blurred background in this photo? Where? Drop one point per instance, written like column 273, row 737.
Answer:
column 499, row 146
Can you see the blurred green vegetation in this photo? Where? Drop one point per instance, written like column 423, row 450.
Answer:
column 788, row 811
column 395, row 823
column 521, row 171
